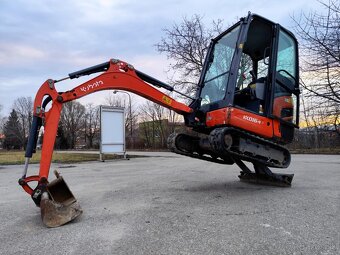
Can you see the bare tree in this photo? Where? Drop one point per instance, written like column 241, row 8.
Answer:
column 24, row 108
column 148, row 126
column 186, row 45
column 1, row 119
column 72, row 119
column 91, row 123
column 174, row 118
column 115, row 100
column 156, row 124
column 319, row 35
column 1, row 128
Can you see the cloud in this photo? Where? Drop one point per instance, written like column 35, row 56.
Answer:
column 11, row 53
column 42, row 39
column 101, row 12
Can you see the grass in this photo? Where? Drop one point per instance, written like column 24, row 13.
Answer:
column 18, row 157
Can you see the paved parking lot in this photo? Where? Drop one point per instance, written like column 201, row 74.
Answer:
column 176, row 205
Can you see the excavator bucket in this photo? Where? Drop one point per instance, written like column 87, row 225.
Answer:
column 58, row 205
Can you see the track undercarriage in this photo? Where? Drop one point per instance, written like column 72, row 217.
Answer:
column 227, row 145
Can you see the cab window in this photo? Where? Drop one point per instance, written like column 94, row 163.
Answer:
column 216, row 77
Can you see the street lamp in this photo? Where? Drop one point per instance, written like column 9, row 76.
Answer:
column 130, row 113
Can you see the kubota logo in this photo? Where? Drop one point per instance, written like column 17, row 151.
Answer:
column 252, row 119
column 91, row 86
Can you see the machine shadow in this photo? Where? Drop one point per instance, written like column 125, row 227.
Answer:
column 230, row 186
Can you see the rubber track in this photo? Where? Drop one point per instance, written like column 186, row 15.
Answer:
column 217, row 142
column 172, row 147
column 216, row 134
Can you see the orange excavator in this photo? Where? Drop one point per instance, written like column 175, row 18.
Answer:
column 246, row 108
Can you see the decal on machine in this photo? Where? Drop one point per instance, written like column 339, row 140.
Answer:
column 167, row 100
column 252, row 119
column 89, row 87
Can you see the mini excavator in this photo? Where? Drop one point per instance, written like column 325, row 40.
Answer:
column 246, row 109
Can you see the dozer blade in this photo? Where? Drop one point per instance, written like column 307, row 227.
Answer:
column 58, row 205
column 263, row 175
column 280, row 180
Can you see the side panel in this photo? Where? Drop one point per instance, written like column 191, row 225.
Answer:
column 277, row 129
column 235, row 117
column 218, row 117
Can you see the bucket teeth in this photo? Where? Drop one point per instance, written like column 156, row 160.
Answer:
column 55, row 214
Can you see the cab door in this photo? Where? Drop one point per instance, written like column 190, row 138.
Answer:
column 285, row 87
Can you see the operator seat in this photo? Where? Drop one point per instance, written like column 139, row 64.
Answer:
column 252, row 97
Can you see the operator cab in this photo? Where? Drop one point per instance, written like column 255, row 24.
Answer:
column 253, row 66
column 252, row 76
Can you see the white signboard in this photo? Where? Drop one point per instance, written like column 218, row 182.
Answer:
column 112, row 129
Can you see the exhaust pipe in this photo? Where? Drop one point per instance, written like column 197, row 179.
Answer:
column 58, row 205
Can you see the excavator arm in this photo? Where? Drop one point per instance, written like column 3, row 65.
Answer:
column 115, row 74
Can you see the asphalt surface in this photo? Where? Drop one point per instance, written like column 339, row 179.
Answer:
column 176, row 205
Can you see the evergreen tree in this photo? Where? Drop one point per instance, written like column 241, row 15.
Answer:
column 61, row 141
column 12, row 132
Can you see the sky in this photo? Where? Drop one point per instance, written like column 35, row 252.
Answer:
column 41, row 39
